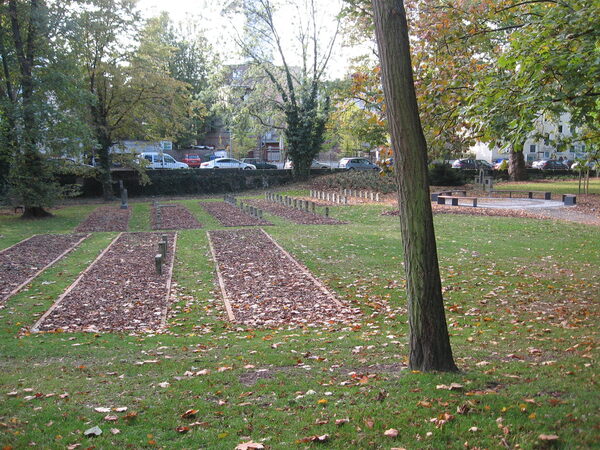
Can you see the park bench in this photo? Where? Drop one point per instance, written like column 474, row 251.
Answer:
column 569, row 199
column 547, row 195
column 441, row 199
column 435, row 195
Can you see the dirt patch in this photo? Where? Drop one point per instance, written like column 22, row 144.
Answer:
column 22, row 262
column 263, row 286
column 294, row 215
column 230, row 216
column 105, row 218
column 120, row 291
column 173, row 217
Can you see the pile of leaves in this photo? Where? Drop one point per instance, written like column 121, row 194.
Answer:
column 173, row 217
column 267, row 287
column 121, row 291
column 106, row 218
column 21, row 262
column 230, row 216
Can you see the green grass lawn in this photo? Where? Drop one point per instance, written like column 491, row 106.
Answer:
column 522, row 307
column 556, row 187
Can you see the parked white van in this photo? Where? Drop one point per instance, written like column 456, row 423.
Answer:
column 158, row 160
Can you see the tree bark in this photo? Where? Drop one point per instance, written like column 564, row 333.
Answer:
column 35, row 212
column 428, row 333
column 516, row 165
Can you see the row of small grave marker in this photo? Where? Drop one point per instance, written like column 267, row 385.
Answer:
column 296, row 203
column 335, row 197
column 248, row 209
column 158, row 216
column 161, row 256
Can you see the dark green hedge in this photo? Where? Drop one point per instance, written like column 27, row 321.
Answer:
column 191, row 181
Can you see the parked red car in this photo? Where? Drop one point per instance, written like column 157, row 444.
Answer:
column 192, row 160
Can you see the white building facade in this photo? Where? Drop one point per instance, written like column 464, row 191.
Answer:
column 541, row 143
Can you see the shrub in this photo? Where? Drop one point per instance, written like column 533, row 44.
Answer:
column 445, row 175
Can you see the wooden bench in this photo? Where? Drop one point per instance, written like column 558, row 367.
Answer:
column 435, row 195
column 569, row 199
column 441, row 199
column 547, row 195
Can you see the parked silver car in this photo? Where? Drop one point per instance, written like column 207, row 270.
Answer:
column 357, row 164
column 226, row 163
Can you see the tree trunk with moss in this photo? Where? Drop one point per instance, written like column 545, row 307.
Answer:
column 429, row 340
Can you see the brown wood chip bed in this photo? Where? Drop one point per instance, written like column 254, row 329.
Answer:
column 105, row 218
column 24, row 261
column 264, row 286
column 230, row 216
column 173, row 217
column 120, row 290
column 294, row 215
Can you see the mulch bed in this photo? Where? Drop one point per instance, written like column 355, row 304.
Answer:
column 22, row 262
column 173, row 217
column 230, row 216
column 105, row 218
column 266, row 287
column 120, row 291
column 294, row 215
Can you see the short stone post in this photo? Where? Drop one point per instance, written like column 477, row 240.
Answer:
column 165, row 240
column 260, row 214
column 313, row 207
column 372, row 196
column 377, row 197
column 124, row 198
column 162, row 249
column 158, row 262
column 327, row 211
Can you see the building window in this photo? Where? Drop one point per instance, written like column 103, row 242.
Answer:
column 546, row 154
column 532, row 148
column 560, row 129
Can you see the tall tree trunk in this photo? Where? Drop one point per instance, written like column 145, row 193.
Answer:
column 105, row 142
column 516, row 165
column 429, row 341
column 30, row 167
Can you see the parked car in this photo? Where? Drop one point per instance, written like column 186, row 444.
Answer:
column 357, row 164
column 468, row 163
column 226, row 163
column 499, row 163
column 551, row 164
column 158, row 160
column 314, row 165
column 577, row 165
column 259, row 164
column 192, row 160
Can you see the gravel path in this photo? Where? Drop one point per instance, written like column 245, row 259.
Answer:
column 230, row 216
column 263, row 286
column 22, row 262
column 173, row 217
column 120, row 291
column 294, row 215
column 105, row 218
